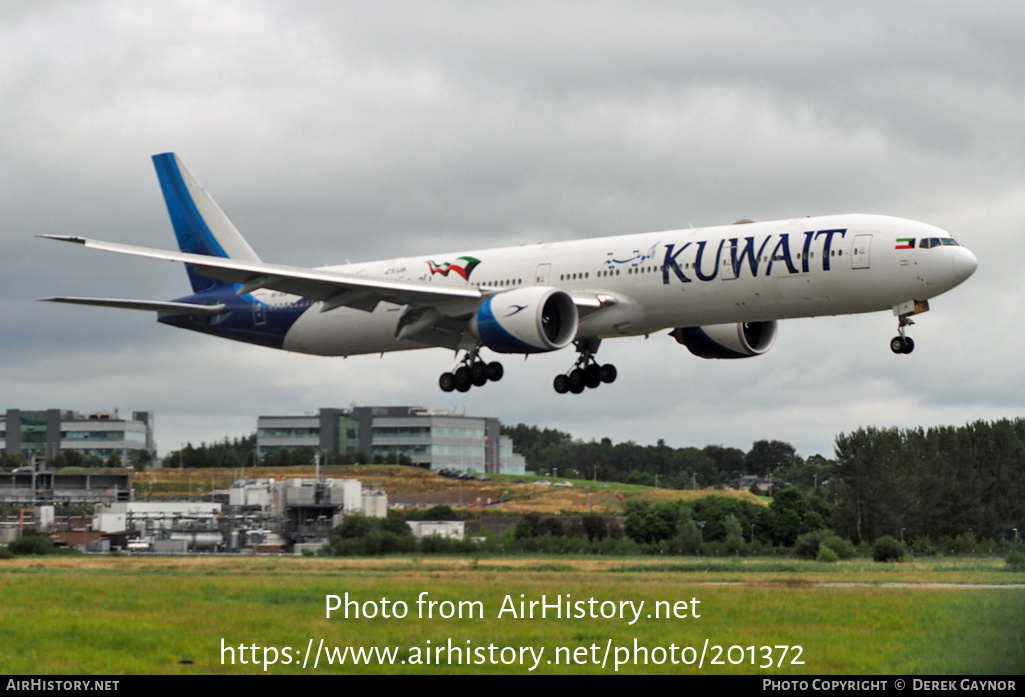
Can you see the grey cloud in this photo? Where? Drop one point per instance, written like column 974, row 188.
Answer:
column 335, row 130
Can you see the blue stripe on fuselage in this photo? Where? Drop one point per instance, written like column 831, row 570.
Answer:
column 244, row 318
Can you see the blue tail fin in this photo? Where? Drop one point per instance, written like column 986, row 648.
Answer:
column 199, row 224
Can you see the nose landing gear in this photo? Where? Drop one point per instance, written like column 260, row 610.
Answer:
column 903, row 343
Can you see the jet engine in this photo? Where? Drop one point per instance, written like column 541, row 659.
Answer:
column 740, row 340
column 526, row 320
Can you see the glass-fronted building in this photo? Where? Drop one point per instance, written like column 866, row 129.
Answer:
column 437, row 440
column 49, row 431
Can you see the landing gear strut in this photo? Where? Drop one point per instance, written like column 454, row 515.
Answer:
column 903, row 343
column 586, row 372
column 472, row 371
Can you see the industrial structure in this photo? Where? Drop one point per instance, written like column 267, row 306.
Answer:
column 262, row 515
column 97, row 510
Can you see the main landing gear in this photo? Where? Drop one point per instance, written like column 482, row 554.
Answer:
column 586, row 371
column 471, row 372
column 903, row 343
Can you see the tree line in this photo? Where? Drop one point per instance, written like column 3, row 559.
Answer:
column 930, row 483
column 912, row 484
column 555, row 453
column 946, row 482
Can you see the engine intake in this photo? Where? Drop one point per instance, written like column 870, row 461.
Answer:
column 526, row 320
column 740, row 340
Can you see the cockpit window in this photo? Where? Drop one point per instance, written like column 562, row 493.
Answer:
column 930, row 242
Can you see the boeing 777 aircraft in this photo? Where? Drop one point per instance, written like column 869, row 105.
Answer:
column 719, row 290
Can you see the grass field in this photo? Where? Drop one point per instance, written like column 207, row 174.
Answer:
column 122, row 615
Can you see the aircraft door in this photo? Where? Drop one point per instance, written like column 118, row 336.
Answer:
column 860, row 252
column 259, row 316
column 541, row 274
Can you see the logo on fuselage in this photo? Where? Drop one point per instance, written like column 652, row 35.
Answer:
column 734, row 255
column 463, row 266
column 636, row 258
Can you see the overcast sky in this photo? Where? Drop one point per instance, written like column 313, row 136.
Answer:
column 333, row 130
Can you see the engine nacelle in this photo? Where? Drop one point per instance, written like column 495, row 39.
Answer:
column 526, row 320
column 740, row 340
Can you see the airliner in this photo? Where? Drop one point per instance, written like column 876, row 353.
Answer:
column 719, row 291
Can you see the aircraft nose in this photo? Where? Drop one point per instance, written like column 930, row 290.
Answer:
column 965, row 264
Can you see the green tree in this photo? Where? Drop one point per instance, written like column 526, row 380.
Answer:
column 792, row 515
column 734, row 534
column 767, row 456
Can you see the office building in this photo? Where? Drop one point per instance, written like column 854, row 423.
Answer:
column 437, row 440
column 47, row 432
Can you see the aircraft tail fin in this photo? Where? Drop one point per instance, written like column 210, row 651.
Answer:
column 199, row 224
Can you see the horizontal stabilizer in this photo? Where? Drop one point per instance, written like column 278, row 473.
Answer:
column 148, row 305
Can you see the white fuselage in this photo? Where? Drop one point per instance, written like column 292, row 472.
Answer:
column 758, row 271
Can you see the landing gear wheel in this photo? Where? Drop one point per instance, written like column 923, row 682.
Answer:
column 463, row 380
column 902, row 344
column 478, row 373
column 495, row 371
column 472, row 372
column 576, row 378
column 587, row 372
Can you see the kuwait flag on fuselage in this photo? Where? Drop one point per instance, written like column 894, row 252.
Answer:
column 462, row 266
column 905, row 243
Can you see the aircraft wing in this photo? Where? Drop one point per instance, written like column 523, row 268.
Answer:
column 170, row 308
column 333, row 289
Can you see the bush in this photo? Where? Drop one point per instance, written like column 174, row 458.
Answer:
column 551, row 526
column 887, row 548
column 808, row 545
column 826, row 554
column 33, row 544
column 440, row 512
column 923, row 547
column 595, row 527
column 528, row 527
column 965, row 543
column 362, row 536
column 1015, row 560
